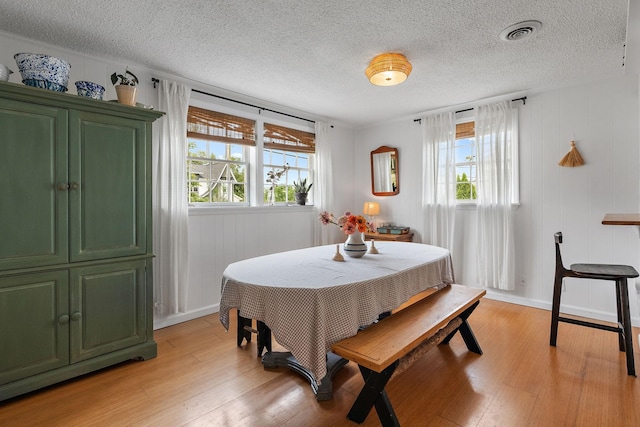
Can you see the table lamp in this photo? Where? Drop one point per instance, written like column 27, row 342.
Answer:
column 371, row 209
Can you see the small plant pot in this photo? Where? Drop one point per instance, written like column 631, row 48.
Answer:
column 301, row 198
column 126, row 94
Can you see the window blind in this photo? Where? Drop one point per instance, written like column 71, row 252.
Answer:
column 465, row 130
column 220, row 127
column 283, row 138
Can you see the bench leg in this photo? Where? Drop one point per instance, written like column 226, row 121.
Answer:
column 243, row 333
column 264, row 338
column 466, row 332
column 373, row 394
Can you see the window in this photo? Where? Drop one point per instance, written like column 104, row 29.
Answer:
column 217, row 161
column 226, row 158
column 467, row 166
column 465, row 158
column 286, row 147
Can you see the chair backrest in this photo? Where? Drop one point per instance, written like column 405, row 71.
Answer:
column 559, row 266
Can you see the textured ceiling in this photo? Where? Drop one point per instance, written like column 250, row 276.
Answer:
column 311, row 54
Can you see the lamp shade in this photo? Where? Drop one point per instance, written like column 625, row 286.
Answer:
column 371, row 208
column 388, row 69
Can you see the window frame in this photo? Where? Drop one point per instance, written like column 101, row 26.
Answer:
column 255, row 184
column 291, row 158
column 463, row 120
column 244, row 162
column 468, row 117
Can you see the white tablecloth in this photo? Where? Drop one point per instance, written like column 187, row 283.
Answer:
column 310, row 302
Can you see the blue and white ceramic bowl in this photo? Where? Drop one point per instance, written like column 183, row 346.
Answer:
column 90, row 89
column 37, row 66
column 43, row 84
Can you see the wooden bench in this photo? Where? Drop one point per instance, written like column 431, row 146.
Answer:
column 395, row 342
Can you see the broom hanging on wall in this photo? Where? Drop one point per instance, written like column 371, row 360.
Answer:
column 572, row 158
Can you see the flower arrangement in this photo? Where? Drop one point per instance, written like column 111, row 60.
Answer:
column 348, row 222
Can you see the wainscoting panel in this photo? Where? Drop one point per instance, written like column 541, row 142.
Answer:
column 221, row 236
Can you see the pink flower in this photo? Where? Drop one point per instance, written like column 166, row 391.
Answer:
column 326, row 218
column 349, row 228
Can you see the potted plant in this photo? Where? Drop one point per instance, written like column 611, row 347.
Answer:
column 301, row 189
column 125, row 87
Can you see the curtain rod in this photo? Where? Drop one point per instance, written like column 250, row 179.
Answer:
column 156, row 81
column 523, row 99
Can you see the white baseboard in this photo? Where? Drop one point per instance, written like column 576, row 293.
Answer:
column 546, row 305
column 174, row 319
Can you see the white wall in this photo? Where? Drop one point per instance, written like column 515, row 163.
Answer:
column 603, row 119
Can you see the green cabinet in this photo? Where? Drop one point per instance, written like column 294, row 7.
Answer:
column 107, row 187
column 34, row 337
column 108, row 309
column 76, row 291
column 33, row 160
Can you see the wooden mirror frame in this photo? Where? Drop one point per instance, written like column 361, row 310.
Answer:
column 394, row 169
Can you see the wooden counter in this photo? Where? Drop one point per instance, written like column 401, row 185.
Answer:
column 407, row 237
column 621, row 219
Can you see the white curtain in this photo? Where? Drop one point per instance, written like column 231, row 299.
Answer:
column 496, row 140
column 170, row 206
column 439, row 179
column 323, row 184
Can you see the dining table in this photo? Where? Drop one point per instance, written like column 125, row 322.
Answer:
column 310, row 301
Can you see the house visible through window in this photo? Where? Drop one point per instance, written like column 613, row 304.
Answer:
column 466, row 176
column 217, row 161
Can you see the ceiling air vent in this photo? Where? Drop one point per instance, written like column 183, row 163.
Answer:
column 520, row 30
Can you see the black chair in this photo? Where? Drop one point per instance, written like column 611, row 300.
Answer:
column 616, row 273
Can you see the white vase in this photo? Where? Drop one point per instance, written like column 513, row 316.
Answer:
column 355, row 246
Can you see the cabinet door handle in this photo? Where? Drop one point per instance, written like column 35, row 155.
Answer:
column 63, row 187
column 63, row 319
column 74, row 186
column 76, row 316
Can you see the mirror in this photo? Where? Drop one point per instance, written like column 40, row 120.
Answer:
column 385, row 175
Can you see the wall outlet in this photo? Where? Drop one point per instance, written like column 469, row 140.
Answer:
column 523, row 280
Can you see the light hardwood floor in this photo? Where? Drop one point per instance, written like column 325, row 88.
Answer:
column 200, row 378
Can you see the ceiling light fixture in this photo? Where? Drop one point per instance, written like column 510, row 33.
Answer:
column 388, row 69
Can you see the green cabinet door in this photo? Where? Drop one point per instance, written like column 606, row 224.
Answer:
column 34, row 324
column 107, row 195
column 33, row 185
column 108, row 308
